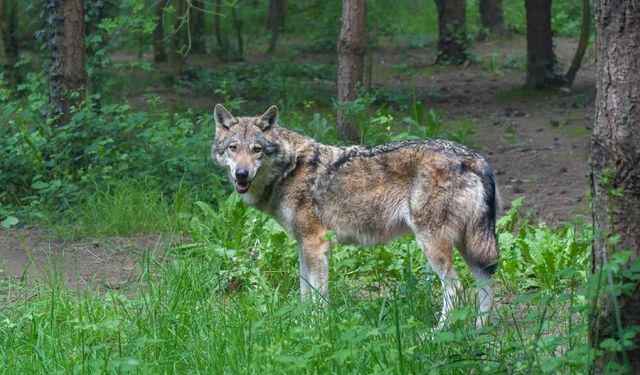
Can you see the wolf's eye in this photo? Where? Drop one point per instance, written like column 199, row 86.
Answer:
column 256, row 149
column 233, row 148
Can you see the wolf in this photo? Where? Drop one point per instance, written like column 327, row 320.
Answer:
column 441, row 191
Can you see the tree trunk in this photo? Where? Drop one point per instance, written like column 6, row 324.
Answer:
column 615, row 170
column 238, row 24
column 351, row 49
column 68, row 70
column 159, row 51
column 451, row 31
column 542, row 67
column 275, row 21
column 491, row 16
column 216, row 25
column 582, row 44
column 9, row 42
column 176, row 47
column 196, row 27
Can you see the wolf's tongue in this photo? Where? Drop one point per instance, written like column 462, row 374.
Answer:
column 242, row 187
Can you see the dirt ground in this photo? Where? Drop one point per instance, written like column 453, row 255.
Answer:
column 537, row 143
column 29, row 255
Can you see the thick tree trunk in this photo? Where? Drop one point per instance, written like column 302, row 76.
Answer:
column 275, row 21
column 9, row 42
column 351, row 49
column 615, row 168
column 492, row 17
column 451, row 31
column 542, row 66
column 196, row 27
column 159, row 51
column 68, row 70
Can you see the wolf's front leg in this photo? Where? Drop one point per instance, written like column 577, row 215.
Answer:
column 314, row 267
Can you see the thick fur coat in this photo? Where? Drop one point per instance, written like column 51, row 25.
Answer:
column 441, row 191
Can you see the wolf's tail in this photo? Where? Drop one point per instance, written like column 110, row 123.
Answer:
column 482, row 243
column 492, row 198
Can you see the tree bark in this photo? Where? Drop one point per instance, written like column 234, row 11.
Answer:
column 615, row 170
column 8, row 31
column 238, row 24
column 176, row 47
column 543, row 70
column 68, row 70
column 351, row 49
column 196, row 27
column 582, row 44
column 492, row 17
column 451, row 31
column 217, row 27
column 275, row 22
column 159, row 50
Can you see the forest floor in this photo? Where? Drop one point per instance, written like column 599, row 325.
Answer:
column 538, row 144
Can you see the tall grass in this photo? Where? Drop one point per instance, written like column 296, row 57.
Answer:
column 228, row 303
column 128, row 206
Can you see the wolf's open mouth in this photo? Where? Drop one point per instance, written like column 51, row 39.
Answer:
column 242, row 187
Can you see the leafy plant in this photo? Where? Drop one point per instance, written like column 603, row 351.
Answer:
column 233, row 293
column 548, row 259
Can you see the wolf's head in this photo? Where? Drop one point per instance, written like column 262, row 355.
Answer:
column 245, row 146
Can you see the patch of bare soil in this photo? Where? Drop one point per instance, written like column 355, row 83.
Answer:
column 29, row 255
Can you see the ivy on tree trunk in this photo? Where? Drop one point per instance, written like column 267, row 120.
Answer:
column 451, row 32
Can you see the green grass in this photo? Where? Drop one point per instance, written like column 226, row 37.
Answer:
column 575, row 130
column 512, row 138
column 126, row 207
column 228, row 303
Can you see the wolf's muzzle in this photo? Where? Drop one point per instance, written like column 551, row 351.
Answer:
column 242, row 175
column 242, row 180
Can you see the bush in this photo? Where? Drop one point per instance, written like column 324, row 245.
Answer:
column 51, row 167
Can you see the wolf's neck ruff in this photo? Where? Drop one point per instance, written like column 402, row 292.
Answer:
column 441, row 191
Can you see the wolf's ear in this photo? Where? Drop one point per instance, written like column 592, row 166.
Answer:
column 223, row 117
column 269, row 119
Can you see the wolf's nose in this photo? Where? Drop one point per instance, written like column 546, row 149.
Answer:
column 242, row 174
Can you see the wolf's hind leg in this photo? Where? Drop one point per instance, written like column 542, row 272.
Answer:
column 481, row 254
column 314, row 267
column 438, row 251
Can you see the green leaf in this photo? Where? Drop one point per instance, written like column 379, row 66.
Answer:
column 40, row 185
column 287, row 359
column 9, row 222
column 444, row 337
